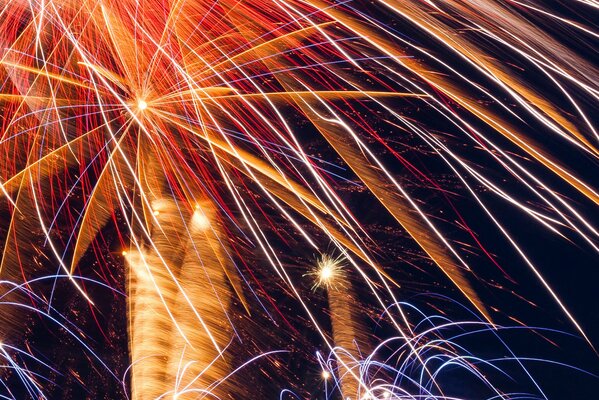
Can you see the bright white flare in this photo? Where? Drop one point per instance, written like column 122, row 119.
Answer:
column 328, row 270
column 200, row 220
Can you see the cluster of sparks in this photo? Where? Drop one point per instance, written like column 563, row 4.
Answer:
column 184, row 126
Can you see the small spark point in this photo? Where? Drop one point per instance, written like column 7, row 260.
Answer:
column 326, row 375
column 142, row 105
column 156, row 212
column 327, row 271
column 200, row 221
column 124, row 252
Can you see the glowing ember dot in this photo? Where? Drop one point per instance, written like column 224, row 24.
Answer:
column 326, row 272
column 326, row 375
column 156, row 212
column 124, row 252
column 200, row 221
column 142, row 105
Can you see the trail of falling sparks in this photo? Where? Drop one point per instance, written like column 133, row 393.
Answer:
column 185, row 126
column 349, row 335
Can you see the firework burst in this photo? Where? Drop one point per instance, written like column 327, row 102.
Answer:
column 193, row 135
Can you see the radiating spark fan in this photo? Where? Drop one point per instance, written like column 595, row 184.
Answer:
column 185, row 125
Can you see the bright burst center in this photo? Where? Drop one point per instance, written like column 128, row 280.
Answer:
column 327, row 271
column 200, row 221
column 142, row 105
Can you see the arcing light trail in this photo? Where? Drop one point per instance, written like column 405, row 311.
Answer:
column 183, row 125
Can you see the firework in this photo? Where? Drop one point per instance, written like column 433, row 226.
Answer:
column 182, row 132
column 349, row 335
